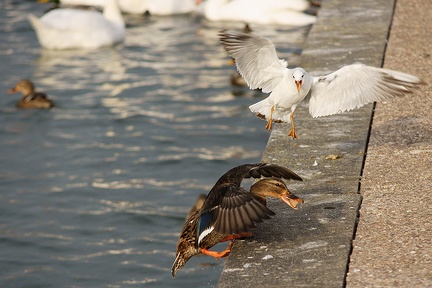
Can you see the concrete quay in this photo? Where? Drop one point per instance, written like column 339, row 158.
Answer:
column 366, row 220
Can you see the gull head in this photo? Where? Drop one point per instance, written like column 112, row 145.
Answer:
column 298, row 75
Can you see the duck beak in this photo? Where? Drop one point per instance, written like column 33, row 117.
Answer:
column 12, row 90
column 298, row 84
column 291, row 200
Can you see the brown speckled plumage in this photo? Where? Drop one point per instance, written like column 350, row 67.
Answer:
column 229, row 211
column 30, row 98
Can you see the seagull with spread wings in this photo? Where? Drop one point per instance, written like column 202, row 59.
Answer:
column 350, row 87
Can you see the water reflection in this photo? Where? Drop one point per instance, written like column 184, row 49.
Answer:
column 95, row 191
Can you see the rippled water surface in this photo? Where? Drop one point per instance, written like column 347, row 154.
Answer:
column 94, row 192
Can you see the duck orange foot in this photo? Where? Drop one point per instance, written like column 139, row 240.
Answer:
column 227, row 251
column 216, row 254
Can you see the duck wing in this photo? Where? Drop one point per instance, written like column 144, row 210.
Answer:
column 257, row 170
column 237, row 212
column 39, row 96
column 230, row 209
column 271, row 170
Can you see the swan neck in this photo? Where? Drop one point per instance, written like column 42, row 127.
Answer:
column 112, row 12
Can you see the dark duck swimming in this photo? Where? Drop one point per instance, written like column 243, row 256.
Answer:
column 30, row 98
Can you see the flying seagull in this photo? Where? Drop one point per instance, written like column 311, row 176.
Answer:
column 350, row 87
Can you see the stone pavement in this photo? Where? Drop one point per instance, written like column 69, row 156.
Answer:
column 312, row 247
column 393, row 243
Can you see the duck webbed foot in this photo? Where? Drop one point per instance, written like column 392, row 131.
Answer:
column 227, row 251
column 216, row 254
column 237, row 236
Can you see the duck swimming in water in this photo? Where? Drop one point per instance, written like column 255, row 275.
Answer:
column 230, row 211
column 30, row 98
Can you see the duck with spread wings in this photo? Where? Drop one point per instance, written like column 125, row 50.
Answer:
column 230, row 211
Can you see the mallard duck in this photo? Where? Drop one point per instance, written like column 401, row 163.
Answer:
column 69, row 28
column 30, row 98
column 230, row 211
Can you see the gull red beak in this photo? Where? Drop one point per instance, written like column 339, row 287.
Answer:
column 298, row 85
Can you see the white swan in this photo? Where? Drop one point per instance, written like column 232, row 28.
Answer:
column 67, row 28
column 154, row 7
column 283, row 12
column 100, row 3
column 158, row 7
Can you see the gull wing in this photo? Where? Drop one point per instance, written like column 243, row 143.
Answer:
column 356, row 85
column 256, row 59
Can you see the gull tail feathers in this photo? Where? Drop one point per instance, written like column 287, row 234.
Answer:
column 263, row 109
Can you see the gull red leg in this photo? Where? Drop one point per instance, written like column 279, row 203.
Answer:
column 292, row 132
column 270, row 120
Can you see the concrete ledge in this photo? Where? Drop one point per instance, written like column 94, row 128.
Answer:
column 311, row 247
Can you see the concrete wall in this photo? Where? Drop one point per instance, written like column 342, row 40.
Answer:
column 310, row 247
